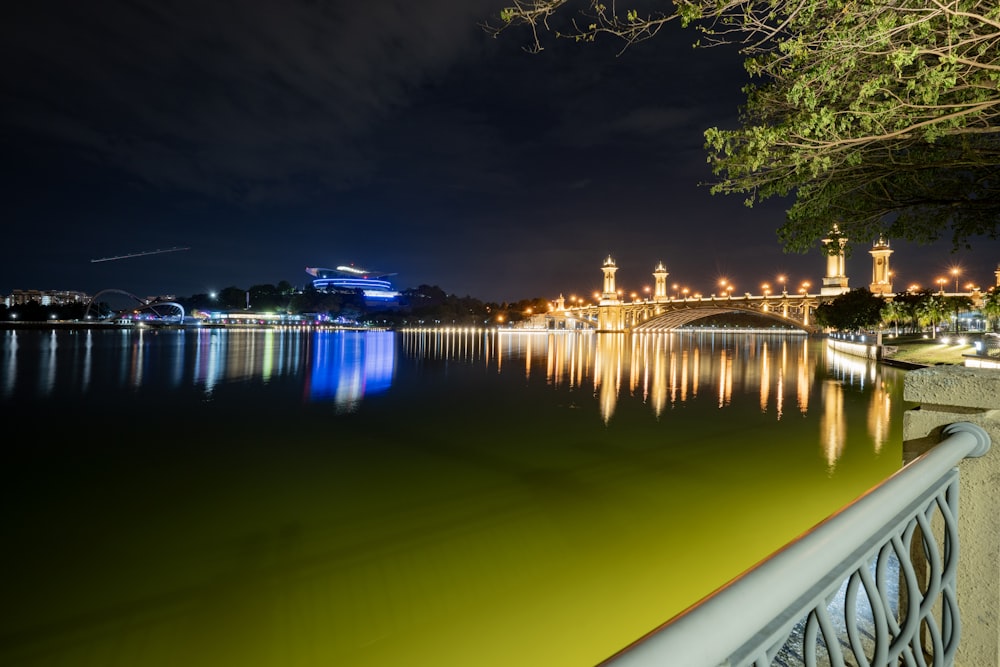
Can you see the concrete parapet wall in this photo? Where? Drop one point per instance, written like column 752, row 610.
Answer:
column 945, row 395
column 866, row 350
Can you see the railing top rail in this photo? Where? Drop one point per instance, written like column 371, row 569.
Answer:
column 747, row 604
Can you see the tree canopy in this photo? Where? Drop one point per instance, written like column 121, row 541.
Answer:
column 856, row 310
column 879, row 116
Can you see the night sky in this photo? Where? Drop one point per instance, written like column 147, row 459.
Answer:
column 269, row 136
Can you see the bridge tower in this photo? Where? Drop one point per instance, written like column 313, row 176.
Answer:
column 660, row 275
column 835, row 280
column 610, row 314
column 881, row 275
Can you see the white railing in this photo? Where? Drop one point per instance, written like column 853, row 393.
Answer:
column 833, row 596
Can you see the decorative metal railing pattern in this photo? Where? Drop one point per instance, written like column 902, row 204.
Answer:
column 872, row 586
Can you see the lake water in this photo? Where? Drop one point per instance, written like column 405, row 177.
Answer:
column 446, row 498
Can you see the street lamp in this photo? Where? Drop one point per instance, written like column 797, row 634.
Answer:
column 941, row 282
column 954, row 272
column 781, row 279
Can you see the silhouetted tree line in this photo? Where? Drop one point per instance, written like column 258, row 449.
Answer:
column 426, row 305
column 907, row 312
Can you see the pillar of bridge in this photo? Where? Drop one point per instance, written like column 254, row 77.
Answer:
column 609, row 269
column 610, row 314
column 660, row 275
column 881, row 276
column 561, row 303
column 997, row 274
column 835, row 280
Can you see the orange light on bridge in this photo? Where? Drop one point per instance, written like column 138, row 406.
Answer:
column 941, row 282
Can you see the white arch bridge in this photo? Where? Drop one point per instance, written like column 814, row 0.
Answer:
column 795, row 311
column 137, row 308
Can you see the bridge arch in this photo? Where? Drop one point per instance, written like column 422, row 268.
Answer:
column 141, row 304
column 679, row 317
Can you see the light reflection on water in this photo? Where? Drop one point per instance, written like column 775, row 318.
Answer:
column 269, row 498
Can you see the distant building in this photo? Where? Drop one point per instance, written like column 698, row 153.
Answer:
column 372, row 285
column 45, row 297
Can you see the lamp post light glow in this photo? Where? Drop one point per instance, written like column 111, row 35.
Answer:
column 954, row 272
column 941, row 282
column 781, row 279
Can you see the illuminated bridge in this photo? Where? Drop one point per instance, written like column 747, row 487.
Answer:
column 661, row 312
column 784, row 310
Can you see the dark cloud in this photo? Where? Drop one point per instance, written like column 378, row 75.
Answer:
column 238, row 100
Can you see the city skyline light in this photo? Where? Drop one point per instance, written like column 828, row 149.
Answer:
column 384, row 134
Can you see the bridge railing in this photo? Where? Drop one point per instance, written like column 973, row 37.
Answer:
column 872, row 585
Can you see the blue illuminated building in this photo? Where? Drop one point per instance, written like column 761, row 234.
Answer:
column 371, row 284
